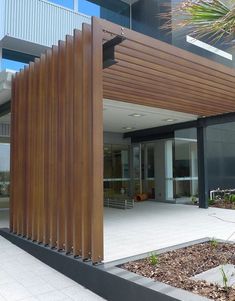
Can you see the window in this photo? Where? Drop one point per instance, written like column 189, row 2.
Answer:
column 65, row 3
column 89, row 8
column 12, row 65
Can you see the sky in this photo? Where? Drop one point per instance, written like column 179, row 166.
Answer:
column 85, row 7
column 4, row 156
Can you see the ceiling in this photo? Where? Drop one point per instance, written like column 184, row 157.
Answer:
column 118, row 117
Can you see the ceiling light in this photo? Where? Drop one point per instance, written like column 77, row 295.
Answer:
column 136, row 115
column 128, row 128
column 169, row 120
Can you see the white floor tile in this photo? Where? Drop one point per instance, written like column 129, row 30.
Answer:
column 54, row 296
column 14, row 291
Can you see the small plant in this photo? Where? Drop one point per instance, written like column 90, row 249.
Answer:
column 153, row 259
column 232, row 198
column 225, row 278
column 214, row 242
column 194, row 199
column 211, row 202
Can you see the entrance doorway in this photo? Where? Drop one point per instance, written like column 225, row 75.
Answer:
column 164, row 170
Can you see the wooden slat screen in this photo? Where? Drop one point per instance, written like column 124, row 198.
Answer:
column 56, row 161
column 57, row 125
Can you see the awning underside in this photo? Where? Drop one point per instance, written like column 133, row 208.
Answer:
column 157, row 74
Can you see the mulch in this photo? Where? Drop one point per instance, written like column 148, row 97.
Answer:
column 223, row 204
column 176, row 267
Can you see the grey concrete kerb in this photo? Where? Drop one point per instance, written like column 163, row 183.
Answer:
column 165, row 292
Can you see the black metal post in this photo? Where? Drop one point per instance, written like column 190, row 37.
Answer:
column 203, row 192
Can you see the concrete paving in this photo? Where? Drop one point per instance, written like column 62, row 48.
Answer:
column 150, row 226
column 24, row 278
column 215, row 275
column 147, row 227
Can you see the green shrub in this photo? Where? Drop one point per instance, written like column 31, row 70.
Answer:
column 211, row 202
column 232, row 198
column 153, row 259
column 214, row 242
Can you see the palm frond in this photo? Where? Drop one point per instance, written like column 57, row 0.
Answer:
column 211, row 18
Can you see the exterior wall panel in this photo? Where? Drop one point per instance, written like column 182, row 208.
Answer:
column 38, row 21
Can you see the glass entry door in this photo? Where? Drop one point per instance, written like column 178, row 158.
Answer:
column 143, row 169
column 136, row 169
column 185, row 168
column 116, row 170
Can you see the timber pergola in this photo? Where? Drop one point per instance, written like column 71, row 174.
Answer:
column 57, row 124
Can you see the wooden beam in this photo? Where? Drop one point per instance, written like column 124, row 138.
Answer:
column 86, row 142
column 61, row 147
column 77, row 218
column 53, row 147
column 97, row 143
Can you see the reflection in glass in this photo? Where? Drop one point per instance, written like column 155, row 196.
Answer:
column 116, row 11
column 116, row 170
column 137, row 187
column 4, row 174
column 185, row 168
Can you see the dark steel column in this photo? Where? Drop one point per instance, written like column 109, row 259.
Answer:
column 203, row 192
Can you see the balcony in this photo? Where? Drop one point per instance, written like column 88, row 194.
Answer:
column 31, row 26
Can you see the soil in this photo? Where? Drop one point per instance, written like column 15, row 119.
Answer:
column 176, row 267
column 223, row 204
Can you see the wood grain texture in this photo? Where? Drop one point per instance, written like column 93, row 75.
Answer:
column 56, row 193
column 12, row 152
column 77, row 179
column 69, row 105
column 61, row 197
column 54, row 154
column 97, row 143
column 47, row 201
column 52, row 196
column 86, row 170
column 153, row 73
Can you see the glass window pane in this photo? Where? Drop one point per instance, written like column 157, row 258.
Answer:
column 116, row 170
column 115, row 11
column 89, row 8
column 67, row 3
column 12, row 65
column 150, row 160
column 182, row 159
column 185, row 163
column 4, row 174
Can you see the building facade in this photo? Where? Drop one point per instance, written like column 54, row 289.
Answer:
column 146, row 150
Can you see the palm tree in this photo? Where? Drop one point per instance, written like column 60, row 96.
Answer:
column 213, row 19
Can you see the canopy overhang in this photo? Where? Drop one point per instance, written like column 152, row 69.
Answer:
column 154, row 73
column 57, row 112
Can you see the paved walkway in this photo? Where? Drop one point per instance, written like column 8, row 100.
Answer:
column 145, row 228
column 150, row 226
column 25, row 278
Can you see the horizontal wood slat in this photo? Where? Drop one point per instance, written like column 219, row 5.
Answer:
column 166, row 76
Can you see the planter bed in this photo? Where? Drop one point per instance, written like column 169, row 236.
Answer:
column 223, row 204
column 177, row 267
